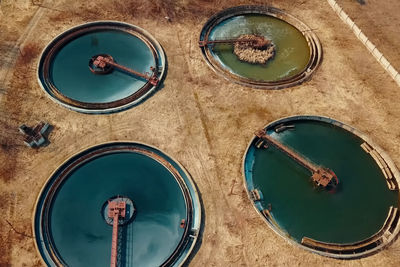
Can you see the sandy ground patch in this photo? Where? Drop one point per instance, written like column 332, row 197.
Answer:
column 199, row 118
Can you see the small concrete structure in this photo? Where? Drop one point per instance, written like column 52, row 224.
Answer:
column 282, row 127
column 255, row 195
column 380, row 161
column 35, row 137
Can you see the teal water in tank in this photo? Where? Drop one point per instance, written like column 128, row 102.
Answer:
column 79, row 232
column 357, row 209
column 70, row 73
column 292, row 52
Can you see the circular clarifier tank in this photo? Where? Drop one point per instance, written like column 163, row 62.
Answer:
column 158, row 222
column 296, row 51
column 351, row 211
column 71, row 71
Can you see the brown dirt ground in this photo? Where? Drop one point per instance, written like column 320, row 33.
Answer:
column 380, row 21
column 199, row 118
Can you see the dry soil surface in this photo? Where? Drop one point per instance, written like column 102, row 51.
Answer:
column 201, row 119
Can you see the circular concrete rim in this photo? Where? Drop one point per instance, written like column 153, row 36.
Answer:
column 141, row 34
column 193, row 230
column 311, row 38
column 362, row 136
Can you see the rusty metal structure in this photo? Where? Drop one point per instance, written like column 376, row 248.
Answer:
column 257, row 42
column 104, row 64
column 321, row 176
column 116, row 211
column 36, row 136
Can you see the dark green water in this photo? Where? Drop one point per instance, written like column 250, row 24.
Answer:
column 354, row 212
column 292, row 51
column 83, row 238
column 71, row 75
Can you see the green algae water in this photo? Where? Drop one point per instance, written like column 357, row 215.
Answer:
column 355, row 211
column 70, row 73
column 292, row 52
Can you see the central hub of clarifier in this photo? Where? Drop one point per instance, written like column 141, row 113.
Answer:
column 254, row 49
column 109, row 205
column 97, row 67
